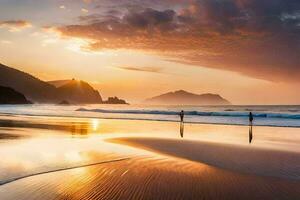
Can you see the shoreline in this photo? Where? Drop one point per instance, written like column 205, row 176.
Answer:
column 138, row 119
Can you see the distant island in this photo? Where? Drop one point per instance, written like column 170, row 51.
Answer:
column 38, row 91
column 10, row 96
column 114, row 100
column 182, row 97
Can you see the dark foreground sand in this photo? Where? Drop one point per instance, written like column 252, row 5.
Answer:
column 237, row 158
column 177, row 171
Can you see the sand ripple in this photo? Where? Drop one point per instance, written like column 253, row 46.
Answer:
column 150, row 177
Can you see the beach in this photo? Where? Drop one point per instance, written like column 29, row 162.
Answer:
column 90, row 158
column 149, row 100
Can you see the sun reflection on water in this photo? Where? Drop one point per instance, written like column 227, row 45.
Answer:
column 95, row 124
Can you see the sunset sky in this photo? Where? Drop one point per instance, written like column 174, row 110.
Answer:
column 248, row 51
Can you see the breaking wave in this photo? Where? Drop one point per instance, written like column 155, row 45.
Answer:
column 194, row 113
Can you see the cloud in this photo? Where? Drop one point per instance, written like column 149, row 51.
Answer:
column 15, row 25
column 149, row 18
column 84, row 10
column 7, row 42
column 87, row 1
column 257, row 38
column 143, row 69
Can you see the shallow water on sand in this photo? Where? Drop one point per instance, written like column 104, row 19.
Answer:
column 75, row 158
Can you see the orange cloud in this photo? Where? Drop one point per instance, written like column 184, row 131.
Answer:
column 143, row 69
column 15, row 25
column 257, row 38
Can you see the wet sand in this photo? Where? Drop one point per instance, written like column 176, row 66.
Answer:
column 237, row 158
column 6, row 136
column 118, row 159
column 150, row 178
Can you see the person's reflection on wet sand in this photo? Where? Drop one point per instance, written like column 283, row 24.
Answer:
column 250, row 127
column 181, row 114
column 250, row 134
column 181, row 129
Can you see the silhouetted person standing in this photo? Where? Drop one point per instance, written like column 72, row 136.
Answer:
column 250, row 118
column 250, row 126
column 181, row 114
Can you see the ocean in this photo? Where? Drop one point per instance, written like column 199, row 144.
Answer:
column 277, row 116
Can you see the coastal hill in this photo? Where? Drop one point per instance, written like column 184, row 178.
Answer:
column 79, row 91
column 10, row 96
column 40, row 91
column 59, row 83
column 182, row 97
column 33, row 88
column 82, row 87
